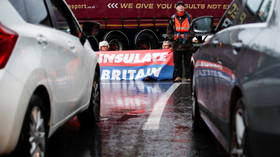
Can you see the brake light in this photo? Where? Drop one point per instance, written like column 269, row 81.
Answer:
column 8, row 39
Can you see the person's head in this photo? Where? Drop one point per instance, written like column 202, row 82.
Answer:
column 103, row 46
column 166, row 45
column 180, row 6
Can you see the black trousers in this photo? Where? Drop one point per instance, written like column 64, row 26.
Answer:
column 182, row 59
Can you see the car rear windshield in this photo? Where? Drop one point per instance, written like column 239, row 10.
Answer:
column 32, row 11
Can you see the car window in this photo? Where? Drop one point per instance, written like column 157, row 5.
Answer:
column 63, row 19
column 60, row 21
column 254, row 5
column 254, row 11
column 257, row 10
column 232, row 15
column 20, row 7
column 265, row 9
column 32, row 11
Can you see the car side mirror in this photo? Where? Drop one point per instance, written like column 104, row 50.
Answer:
column 202, row 25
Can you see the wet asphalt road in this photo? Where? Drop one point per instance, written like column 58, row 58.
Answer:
column 127, row 128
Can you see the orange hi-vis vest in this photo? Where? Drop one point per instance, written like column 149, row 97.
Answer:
column 181, row 29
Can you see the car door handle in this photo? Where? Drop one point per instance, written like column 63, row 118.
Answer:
column 220, row 62
column 237, row 45
column 215, row 42
column 42, row 40
column 71, row 45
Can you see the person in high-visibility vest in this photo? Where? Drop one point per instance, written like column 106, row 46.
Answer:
column 178, row 32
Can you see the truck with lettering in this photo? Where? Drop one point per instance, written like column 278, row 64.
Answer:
column 138, row 24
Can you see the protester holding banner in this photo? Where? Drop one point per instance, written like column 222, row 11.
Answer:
column 166, row 45
column 178, row 32
column 103, row 46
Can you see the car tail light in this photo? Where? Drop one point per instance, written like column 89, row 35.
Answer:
column 8, row 39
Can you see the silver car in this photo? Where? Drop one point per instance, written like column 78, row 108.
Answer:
column 48, row 74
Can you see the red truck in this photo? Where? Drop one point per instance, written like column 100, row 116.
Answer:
column 138, row 24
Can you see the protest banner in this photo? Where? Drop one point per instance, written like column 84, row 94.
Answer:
column 136, row 64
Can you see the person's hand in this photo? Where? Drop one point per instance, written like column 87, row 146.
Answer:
column 194, row 40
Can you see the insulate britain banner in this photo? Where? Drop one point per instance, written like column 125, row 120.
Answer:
column 136, row 64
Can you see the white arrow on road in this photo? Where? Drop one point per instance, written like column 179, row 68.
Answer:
column 112, row 5
column 154, row 119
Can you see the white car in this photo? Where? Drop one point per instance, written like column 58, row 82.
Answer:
column 48, row 74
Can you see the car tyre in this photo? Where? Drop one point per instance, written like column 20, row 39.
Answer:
column 239, row 135
column 89, row 117
column 198, row 124
column 33, row 137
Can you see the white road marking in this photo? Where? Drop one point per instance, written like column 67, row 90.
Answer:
column 154, row 119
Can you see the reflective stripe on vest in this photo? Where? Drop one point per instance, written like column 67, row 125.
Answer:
column 184, row 27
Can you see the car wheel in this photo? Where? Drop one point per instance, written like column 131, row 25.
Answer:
column 198, row 123
column 95, row 97
column 92, row 114
column 239, row 136
column 32, row 142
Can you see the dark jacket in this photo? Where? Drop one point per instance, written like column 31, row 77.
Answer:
column 178, row 45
